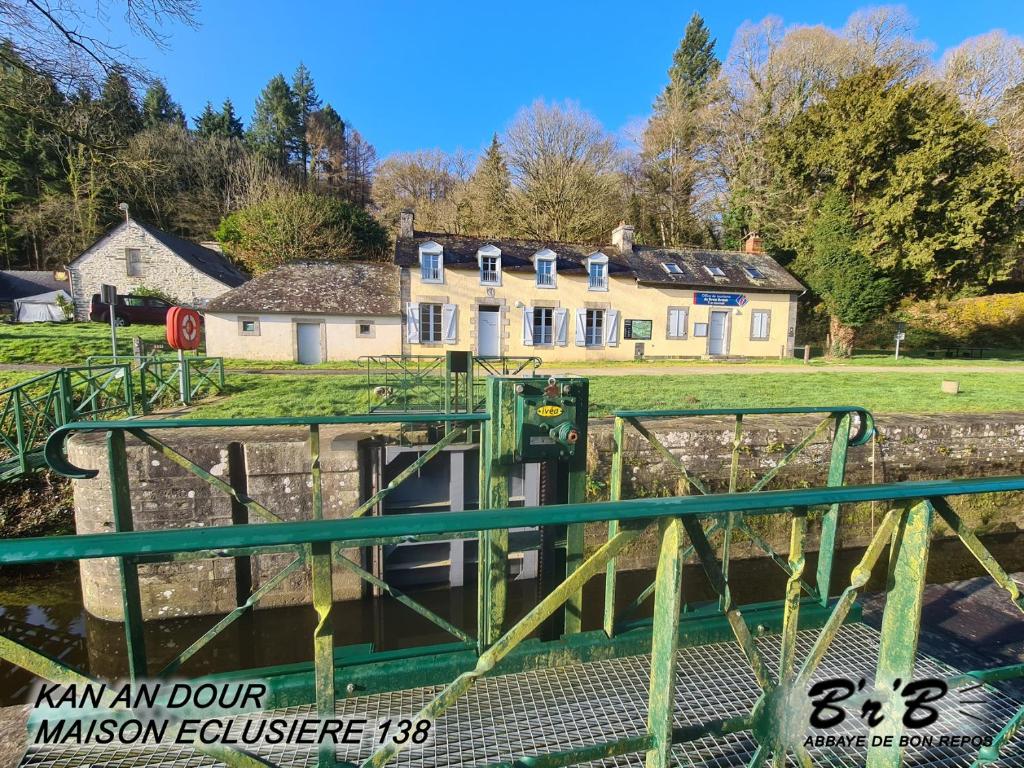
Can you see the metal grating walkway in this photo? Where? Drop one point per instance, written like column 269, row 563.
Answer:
column 535, row 712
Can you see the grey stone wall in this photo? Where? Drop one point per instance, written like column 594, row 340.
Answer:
column 907, row 447
column 165, row 495
column 276, row 464
column 161, row 269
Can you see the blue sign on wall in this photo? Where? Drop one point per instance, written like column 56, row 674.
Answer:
column 719, row 299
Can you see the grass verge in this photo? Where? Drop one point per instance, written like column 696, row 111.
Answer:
column 283, row 395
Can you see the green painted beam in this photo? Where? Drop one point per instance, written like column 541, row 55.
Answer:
column 61, row 548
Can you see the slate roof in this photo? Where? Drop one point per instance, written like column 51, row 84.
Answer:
column 19, row 283
column 644, row 264
column 206, row 260
column 339, row 288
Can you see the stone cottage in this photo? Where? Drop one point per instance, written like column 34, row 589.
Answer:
column 136, row 255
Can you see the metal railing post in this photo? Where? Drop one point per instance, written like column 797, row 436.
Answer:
column 131, row 600
column 664, row 642
column 830, row 520
column 614, row 494
column 19, row 430
column 901, row 625
column 323, row 641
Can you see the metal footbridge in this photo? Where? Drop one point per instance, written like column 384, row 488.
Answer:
column 719, row 683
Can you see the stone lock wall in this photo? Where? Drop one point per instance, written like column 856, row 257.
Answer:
column 918, row 447
column 275, row 464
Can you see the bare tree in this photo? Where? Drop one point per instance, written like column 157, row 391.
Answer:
column 430, row 182
column 982, row 69
column 61, row 40
column 564, row 171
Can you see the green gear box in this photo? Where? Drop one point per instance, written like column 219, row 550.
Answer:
column 547, row 416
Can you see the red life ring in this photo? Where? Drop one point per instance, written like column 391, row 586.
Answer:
column 183, row 328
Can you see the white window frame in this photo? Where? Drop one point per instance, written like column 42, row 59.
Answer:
column 430, row 320
column 767, row 330
column 489, row 252
column 128, row 263
column 369, row 329
column 255, row 329
column 671, row 268
column 546, row 256
column 681, row 323
column 599, row 260
column 593, row 332
column 543, row 334
column 432, row 249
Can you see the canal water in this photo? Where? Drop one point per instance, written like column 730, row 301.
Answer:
column 42, row 608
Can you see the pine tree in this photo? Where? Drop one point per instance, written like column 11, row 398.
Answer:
column 230, row 124
column 694, row 64
column 118, row 109
column 275, row 122
column 206, row 123
column 158, row 108
column 672, row 140
column 488, row 193
column 307, row 102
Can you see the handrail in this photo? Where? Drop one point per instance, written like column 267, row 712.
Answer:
column 135, row 543
column 865, row 427
column 53, row 451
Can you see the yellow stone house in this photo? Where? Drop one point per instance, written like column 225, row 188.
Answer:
column 569, row 302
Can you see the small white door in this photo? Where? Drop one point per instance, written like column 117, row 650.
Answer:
column 487, row 340
column 308, row 340
column 716, row 334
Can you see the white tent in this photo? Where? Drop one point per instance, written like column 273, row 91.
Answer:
column 41, row 308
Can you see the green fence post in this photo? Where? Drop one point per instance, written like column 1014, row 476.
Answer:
column 614, row 494
column 730, row 519
column 323, row 640
column 901, row 624
column 121, row 505
column 19, row 430
column 492, row 558
column 830, row 520
column 575, row 533
column 664, row 642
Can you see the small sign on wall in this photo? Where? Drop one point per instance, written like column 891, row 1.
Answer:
column 638, row 329
column 719, row 299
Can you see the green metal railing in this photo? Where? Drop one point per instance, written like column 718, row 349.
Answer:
column 159, row 377
column 850, row 426
column 411, row 383
column 32, row 409
column 776, row 722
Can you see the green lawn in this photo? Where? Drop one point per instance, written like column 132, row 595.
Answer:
column 68, row 343
column 283, row 395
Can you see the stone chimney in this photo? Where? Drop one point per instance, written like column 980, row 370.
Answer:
column 622, row 238
column 405, row 221
column 752, row 243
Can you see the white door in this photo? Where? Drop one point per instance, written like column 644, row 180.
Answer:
column 488, row 342
column 716, row 335
column 308, row 338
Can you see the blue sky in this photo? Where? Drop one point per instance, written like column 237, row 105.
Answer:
column 446, row 74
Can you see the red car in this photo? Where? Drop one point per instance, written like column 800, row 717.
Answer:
column 130, row 309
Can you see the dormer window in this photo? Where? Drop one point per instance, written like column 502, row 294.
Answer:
column 597, row 271
column 672, row 268
column 544, row 264
column 754, row 273
column 431, row 263
column 714, row 271
column 489, row 260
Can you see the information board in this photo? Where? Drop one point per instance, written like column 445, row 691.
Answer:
column 638, row 329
